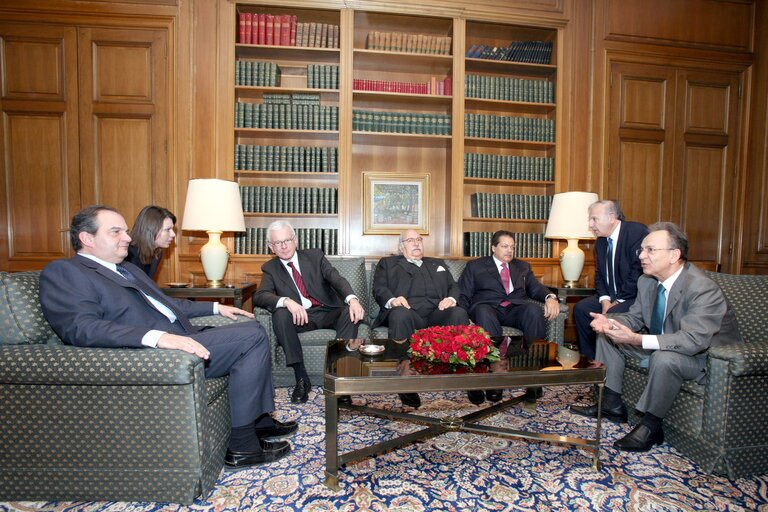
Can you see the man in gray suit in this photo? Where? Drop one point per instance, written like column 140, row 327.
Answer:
column 95, row 299
column 684, row 312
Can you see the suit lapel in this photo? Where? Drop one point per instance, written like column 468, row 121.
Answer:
column 674, row 295
column 309, row 274
column 493, row 271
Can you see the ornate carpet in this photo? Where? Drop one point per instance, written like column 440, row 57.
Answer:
column 462, row 472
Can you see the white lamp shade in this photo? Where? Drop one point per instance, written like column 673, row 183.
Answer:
column 568, row 217
column 213, row 205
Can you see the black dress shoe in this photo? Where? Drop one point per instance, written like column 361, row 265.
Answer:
column 300, row 391
column 281, row 429
column 477, row 397
column 532, row 394
column 641, row 439
column 615, row 414
column 494, row 395
column 410, row 399
column 270, row 452
column 345, row 400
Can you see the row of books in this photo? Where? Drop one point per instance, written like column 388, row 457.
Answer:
column 401, row 122
column 509, row 167
column 285, row 30
column 486, row 205
column 260, row 74
column 509, row 127
column 250, row 157
column 435, row 86
column 509, row 89
column 527, row 245
column 262, row 199
column 254, row 240
column 409, row 43
column 286, row 117
column 292, row 99
column 322, row 76
column 534, row 52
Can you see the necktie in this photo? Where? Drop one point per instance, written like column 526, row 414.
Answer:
column 611, row 279
column 505, row 280
column 416, row 262
column 657, row 320
column 300, row 285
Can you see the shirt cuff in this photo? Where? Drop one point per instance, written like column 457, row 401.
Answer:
column 281, row 302
column 604, row 297
column 215, row 308
column 350, row 297
column 550, row 295
column 651, row 342
column 151, row 338
column 388, row 305
column 456, row 302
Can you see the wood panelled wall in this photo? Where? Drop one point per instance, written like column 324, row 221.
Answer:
column 663, row 107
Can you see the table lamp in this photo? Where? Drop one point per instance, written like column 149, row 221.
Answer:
column 568, row 219
column 213, row 206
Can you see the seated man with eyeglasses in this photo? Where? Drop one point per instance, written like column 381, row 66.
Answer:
column 415, row 292
column 304, row 292
column 495, row 291
column 683, row 313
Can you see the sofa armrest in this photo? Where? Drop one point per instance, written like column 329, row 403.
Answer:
column 741, row 358
column 555, row 329
column 217, row 320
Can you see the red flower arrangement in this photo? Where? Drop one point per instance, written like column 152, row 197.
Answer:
column 461, row 347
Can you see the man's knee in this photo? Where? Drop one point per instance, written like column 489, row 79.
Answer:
column 457, row 316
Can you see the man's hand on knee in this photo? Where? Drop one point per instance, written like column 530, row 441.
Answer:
column 185, row 343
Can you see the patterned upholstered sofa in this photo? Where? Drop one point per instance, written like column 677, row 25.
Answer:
column 360, row 277
column 102, row 424
column 721, row 425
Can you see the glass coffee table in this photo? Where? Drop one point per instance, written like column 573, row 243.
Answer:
column 348, row 371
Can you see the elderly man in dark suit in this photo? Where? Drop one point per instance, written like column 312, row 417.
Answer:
column 684, row 313
column 617, row 268
column 495, row 291
column 96, row 300
column 415, row 292
column 304, row 292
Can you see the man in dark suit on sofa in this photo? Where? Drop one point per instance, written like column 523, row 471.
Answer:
column 495, row 291
column 617, row 268
column 96, row 300
column 683, row 313
column 415, row 292
column 304, row 292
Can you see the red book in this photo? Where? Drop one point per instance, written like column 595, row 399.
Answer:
column 241, row 27
column 277, row 24
column 269, row 28
column 285, row 29
column 248, row 27
column 261, row 35
column 292, row 41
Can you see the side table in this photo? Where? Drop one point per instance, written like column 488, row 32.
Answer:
column 235, row 291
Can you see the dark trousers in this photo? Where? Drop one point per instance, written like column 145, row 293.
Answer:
column 527, row 317
column 586, row 336
column 321, row 317
column 403, row 321
column 241, row 351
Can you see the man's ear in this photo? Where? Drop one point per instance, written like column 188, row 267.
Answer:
column 86, row 239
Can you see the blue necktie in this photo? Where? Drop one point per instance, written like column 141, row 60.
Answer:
column 611, row 280
column 657, row 320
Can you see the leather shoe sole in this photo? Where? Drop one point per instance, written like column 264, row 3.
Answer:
column 641, row 439
column 494, row 395
column 270, row 452
column 281, row 429
column 617, row 414
column 300, row 392
column 410, row 399
column 477, row 397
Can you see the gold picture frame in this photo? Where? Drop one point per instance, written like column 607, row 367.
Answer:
column 394, row 202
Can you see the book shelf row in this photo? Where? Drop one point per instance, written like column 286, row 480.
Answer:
column 401, row 122
column 250, row 157
column 254, row 240
column 509, row 89
column 434, row 86
column 286, row 117
column 271, row 199
column 408, row 43
column 487, row 205
column 509, row 167
column 533, row 129
column 257, row 74
column 527, row 245
column 285, row 30
column 533, row 52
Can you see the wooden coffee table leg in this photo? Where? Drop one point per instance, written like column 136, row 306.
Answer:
column 331, row 441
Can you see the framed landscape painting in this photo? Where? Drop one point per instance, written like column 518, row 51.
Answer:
column 394, row 202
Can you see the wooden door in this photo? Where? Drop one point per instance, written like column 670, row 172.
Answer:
column 39, row 140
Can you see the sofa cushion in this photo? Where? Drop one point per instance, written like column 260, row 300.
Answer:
column 21, row 317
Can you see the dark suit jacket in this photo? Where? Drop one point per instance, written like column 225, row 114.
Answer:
column 698, row 315
column 149, row 269
column 480, row 283
column 392, row 278
column 322, row 280
column 626, row 262
column 89, row 305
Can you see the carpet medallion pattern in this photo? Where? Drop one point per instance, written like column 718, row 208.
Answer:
column 461, row 472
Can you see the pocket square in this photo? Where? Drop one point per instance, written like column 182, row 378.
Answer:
column 440, row 268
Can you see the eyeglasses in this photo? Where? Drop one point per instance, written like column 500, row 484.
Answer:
column 651, row 250
column 282, row 243
column 413, row 240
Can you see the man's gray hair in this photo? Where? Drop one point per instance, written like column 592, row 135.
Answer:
column 280, row 224
column 611, row 207
column 677, row 237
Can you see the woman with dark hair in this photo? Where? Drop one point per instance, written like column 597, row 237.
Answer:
column 151, row 233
